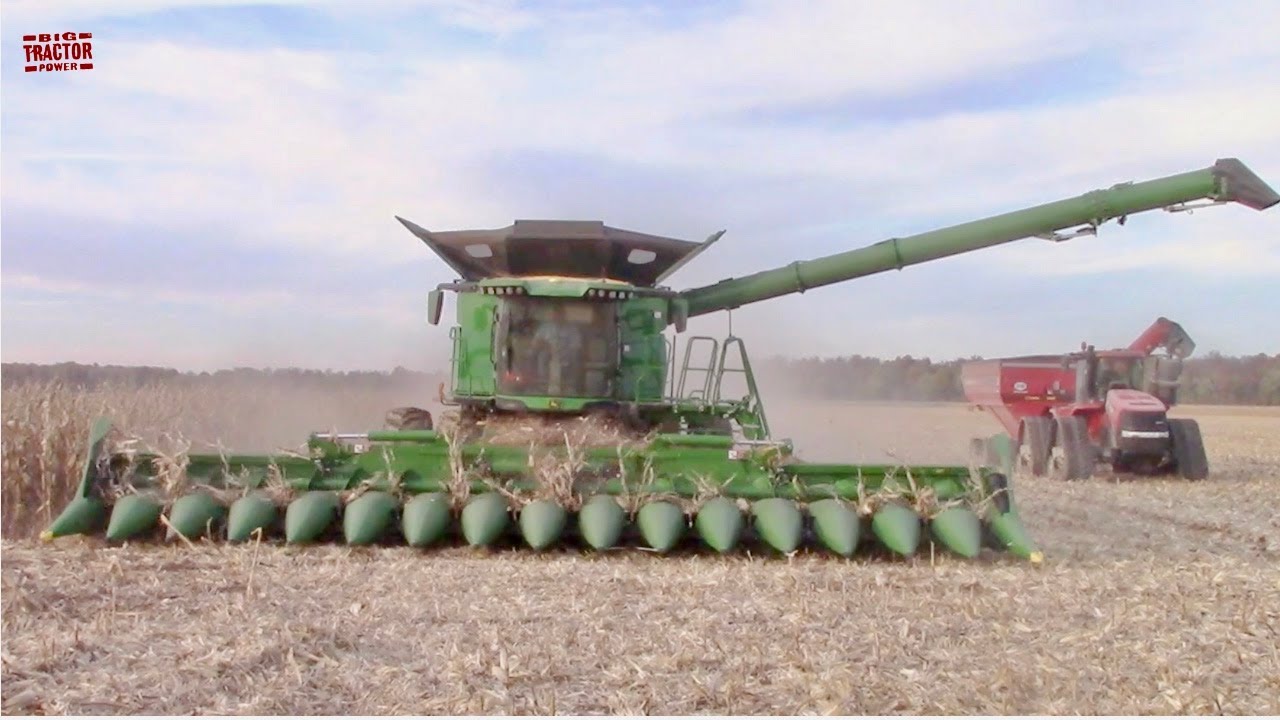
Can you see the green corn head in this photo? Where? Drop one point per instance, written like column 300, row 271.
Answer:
column 419, row 488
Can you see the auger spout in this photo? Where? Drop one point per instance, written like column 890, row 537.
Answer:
column 1164, row 334
column 1227, row 180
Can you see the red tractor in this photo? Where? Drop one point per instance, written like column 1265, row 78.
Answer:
column 1067, row 413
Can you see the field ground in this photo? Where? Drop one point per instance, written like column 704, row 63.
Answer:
column 1155, row 597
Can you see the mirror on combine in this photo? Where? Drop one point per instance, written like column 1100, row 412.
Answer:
column 435, row 305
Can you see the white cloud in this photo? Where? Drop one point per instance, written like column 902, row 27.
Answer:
column 262, row 125
column 317, row 150
column 805, row 51
column 41, row 11
column 1227, row 242
column 239, row 300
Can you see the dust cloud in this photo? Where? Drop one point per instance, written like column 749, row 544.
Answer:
column 269, row 415
column 825, row 430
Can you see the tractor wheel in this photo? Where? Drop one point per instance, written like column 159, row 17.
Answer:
column 409, row 418
column 1189, row 456
column 1072, row 456
column 1034, row 445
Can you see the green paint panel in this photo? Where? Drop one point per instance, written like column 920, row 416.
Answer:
column 959, row 530
column 719, row 523
column 643, row 369
column 473, row 348
column 779, row 523
column 425, row 519
column 661, row 524
column 600, row 521
column 484, row 518
column 898, row 528
column 308, row 517
column 194, row 515
column 678, row 464
column 133, row 515
column 249, row 513
column 367, row 517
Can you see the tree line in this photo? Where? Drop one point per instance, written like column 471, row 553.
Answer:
column 91, row 376
column 1213, row 379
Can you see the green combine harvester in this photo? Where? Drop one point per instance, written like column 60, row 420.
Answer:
column 574, row 424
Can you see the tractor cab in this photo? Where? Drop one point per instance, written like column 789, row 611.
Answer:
column 1098, row 373
column 1118, row 371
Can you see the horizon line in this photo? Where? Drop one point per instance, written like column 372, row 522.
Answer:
column 1212, row 354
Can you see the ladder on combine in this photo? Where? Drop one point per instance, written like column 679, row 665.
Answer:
column 751, row 417
column 701, row 393
column 712, row 358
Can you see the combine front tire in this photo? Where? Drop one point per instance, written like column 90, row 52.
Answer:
column 1034, row 444
column 1189, row 456
column 1072, row 456
column 409, row 418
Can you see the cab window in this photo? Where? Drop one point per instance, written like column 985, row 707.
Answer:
column 557, row 348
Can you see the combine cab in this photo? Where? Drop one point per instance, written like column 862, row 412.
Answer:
column 1067, row 413
column 578, row 418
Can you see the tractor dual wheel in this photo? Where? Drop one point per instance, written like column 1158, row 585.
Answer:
column 1189, row 456
column 1034, row 444
column 1072, row 455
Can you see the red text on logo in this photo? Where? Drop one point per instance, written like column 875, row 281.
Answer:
column 57, row 52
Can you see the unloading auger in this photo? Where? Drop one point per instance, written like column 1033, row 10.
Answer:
column 574, row 424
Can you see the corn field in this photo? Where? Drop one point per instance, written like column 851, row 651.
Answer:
column 46, row 423
column 1156, row 596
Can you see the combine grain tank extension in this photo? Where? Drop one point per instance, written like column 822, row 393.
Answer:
column 1067, row 413
column 574, row 422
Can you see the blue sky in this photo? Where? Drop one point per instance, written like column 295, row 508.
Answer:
column 220, row 189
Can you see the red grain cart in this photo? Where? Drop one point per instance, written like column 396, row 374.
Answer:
column 1066, row 413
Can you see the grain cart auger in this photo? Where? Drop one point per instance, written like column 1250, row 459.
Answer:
column 573, row 421
column 1066, row 413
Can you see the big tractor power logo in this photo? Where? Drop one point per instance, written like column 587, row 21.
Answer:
column 58, row 52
